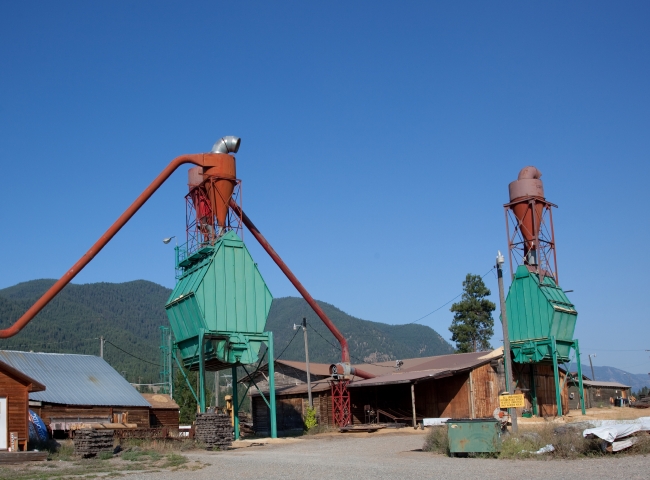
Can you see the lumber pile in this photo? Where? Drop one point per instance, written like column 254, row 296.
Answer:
column 214, row 430
column 89, row 442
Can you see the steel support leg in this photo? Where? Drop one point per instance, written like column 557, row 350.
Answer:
column 556, row 377
column 272, row 410
column 580, row 388
column 235, row 402
column 533, row 390
column 201, row 374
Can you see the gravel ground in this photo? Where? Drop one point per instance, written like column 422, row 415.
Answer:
column 395, row 455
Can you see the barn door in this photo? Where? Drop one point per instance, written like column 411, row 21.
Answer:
column 3, row 424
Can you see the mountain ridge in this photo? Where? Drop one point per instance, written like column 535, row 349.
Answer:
column 130, row 314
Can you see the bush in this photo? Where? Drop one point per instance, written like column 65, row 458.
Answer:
column 310, row 418
column 568, row 443
column 437, row 441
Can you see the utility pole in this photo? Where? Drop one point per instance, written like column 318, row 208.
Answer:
column 216, row 389
column 171, row 367
column 506, row 340
column 101, row 347
column 593, row 376
column 304, row 332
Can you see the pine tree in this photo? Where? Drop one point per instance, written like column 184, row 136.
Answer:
column 473, row 324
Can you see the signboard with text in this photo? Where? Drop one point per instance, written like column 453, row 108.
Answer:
column 511, row 401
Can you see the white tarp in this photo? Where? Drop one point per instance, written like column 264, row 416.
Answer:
column 432, row 422
column 623, row 444
column 610, row 433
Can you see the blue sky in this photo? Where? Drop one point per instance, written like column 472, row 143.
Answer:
column 378, row 141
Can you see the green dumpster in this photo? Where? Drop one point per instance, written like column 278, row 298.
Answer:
column 474, row 435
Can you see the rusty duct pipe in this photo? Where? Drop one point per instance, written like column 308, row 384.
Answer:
column 345, row 352
column 343, row 370
column 200, row 159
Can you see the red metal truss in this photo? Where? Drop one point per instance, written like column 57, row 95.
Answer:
column 543, row 243
column 200, row 226
column 341, row 412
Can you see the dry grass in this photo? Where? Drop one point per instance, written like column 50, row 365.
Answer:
column 567, row 441
column 437, row 441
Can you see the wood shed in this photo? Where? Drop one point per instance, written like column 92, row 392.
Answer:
column 597, row 393
column 15, row 388
column 164, row 411
column 79, row 389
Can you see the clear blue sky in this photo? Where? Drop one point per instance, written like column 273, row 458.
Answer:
column 379, row 139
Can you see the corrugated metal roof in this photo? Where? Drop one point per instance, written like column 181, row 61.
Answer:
column 402, row 377
column 319, row 386
column 74, row 379
column 596, row 383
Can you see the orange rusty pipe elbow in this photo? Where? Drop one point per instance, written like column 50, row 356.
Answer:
column 197, row 159
column 345, row 352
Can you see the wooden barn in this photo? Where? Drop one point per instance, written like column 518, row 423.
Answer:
column 465, row 385
column 15, row 388
column 79, row 389
column 164, row 412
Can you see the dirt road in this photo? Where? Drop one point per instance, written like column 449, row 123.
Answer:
column 377, row 457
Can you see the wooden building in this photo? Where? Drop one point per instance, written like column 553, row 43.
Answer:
column 542, row 390
column 291, row 408
column 164, row 411
column 463, row 385
column 597, row 393
column 15, row 388
column 79, row 389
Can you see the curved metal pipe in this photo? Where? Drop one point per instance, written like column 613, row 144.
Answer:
column 345, row 351
column 228, row 144
column 197, row 159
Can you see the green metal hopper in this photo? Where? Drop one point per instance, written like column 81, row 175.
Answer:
column 538, row 316
column 222, row 302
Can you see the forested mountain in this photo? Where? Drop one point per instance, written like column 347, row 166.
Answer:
column 368, row 341
column 129, row 315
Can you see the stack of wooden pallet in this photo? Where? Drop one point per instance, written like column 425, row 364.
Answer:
column 89, row 442
column 214, row 430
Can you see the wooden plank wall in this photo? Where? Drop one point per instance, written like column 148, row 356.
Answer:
column 164, row 417
column 545, row 388
column 17, row 407
column 486, row 383
column 290, row 410
column 137, row 415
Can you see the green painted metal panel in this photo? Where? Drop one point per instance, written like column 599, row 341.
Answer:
column 221, row 296
column 474, row 435
column 535, row 314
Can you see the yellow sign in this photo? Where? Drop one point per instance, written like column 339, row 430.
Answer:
column 511, row 401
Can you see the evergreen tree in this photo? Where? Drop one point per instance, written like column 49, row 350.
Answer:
column 473, row 324
column 183, row 395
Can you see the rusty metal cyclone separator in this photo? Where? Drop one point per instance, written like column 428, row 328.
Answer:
column 213, row 160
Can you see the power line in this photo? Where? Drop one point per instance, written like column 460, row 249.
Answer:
column 285, row 348
column 351, row 356
column 443, row 305
column 131, row 355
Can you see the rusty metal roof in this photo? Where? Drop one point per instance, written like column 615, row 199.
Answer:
column 74, row 379
column 320, row 369
column 431, row 368
column 319, row 386
column 158, row 400
column 401, row 377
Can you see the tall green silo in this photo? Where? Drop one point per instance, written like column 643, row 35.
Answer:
column 541, row 318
